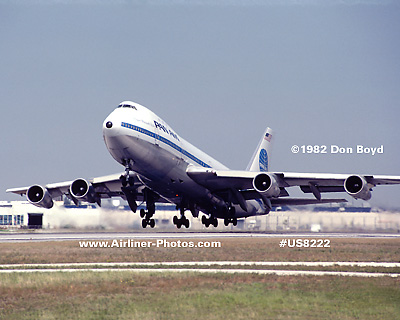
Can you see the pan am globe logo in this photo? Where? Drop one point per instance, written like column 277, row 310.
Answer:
column 263, row 160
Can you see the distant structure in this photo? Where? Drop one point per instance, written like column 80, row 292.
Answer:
column 116, row 215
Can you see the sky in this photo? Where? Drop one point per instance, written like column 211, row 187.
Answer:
column 218, row 72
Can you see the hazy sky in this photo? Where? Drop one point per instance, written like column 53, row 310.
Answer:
column 318, row 73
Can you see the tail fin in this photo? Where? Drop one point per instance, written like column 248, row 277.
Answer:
column 260, row 159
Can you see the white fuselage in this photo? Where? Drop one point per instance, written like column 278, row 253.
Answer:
column 137, row 137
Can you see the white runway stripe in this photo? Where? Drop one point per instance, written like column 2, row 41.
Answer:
column 150, row 267
column 241, row 271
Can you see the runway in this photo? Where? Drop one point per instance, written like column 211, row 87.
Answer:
column 47, row 236
column 204, row 267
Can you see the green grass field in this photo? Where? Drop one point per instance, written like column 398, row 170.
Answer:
column 132, row 295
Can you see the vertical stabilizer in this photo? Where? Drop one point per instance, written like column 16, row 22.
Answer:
column 260, row 159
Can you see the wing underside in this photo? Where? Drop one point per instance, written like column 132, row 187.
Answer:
column 246, row 185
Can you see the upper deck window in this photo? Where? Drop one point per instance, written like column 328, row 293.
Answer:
column 127, row 106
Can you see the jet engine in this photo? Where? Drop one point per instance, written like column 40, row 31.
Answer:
column 266, row 184
column 81, row 189
column 39, row 196
column 357, row 187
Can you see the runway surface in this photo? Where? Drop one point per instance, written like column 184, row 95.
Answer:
column 206, row 267
column 45, row 236
column 204, row 263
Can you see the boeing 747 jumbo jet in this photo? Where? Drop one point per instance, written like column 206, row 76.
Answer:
column 160, row 166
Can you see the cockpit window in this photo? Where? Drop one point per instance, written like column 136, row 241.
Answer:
column 127, row 106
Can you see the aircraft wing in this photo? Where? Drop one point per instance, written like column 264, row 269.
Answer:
column 105, row 187
column 259, row 185
column 92, row 190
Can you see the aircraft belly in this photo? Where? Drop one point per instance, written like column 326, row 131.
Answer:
column 165, row 173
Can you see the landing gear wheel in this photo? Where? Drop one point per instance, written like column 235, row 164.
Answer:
column 152, row 223
column 186, row 223
column 142, row 213
column 144, row 223
column 227, row 221
column 209, row 221
column 179, row 222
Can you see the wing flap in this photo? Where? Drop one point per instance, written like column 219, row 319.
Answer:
column 308, row 189
column 382, row 179
column 302, row 201
column 19, row 191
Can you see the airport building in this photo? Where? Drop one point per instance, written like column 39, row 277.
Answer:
column 116, row 215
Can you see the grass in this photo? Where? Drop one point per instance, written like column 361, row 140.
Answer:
column 127, row 295
column 232, row 249
column 132, row 295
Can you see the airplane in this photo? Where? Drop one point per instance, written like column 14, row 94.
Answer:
column 161, row 167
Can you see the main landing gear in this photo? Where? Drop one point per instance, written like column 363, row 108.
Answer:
column 182, row 221
column 231, row 216
column 209, row 221
column 147, row 218
column 227, row 221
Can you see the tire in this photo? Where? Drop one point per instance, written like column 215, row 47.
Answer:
column 144, row 223
column 215, row 222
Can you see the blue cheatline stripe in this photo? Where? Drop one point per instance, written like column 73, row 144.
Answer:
column 166, row 141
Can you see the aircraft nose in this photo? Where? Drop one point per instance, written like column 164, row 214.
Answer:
column 109, row 127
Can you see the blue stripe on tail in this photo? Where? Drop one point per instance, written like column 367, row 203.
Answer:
column 263, row 160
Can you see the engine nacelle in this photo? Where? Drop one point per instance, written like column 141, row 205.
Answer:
column 266, row 184
column 83, row 190
column 39, row 196
column 357, row 187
